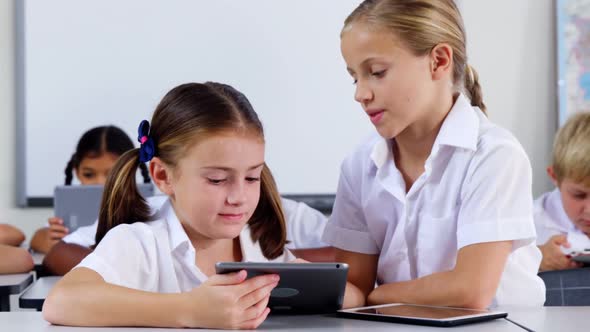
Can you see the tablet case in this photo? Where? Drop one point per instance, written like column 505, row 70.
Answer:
column 304, row 288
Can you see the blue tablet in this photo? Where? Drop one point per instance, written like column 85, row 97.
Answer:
column 304, row 288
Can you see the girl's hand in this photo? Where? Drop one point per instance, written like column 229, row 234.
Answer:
column 57, row 230
column 553, row 257
column 229, row 301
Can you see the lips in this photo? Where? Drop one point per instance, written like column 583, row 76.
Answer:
column 232, row 216
column 375, row 115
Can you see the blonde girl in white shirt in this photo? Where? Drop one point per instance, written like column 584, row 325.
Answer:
column 206, row 152
column 436, row 208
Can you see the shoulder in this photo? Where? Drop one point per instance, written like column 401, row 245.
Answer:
column 493, row 139
column 498, row 152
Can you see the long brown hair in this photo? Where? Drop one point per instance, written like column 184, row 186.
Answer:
column 421, row 25
column 187, row 113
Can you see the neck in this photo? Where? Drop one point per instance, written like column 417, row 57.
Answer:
column 415, row 143
column 413, row 146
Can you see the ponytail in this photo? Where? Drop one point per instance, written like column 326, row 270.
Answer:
column 473, row 89
column 121, row 201
column 267, row 223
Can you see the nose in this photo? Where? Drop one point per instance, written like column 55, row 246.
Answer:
column 363, row 93
column 237, row 194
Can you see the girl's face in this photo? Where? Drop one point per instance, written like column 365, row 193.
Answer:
column 215, row 188
column 394, row 87
column 94, row 170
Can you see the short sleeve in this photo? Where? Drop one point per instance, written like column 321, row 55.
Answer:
column 83, row 236
column 347, row 228
column 305, row 225
column 496, row 198
column 122, row 258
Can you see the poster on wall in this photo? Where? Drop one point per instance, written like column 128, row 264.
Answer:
column 573, row 57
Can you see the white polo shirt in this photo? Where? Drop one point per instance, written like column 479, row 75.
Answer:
column 305, row 225
column 551, row 219
column 157, row 256
column 476, row 188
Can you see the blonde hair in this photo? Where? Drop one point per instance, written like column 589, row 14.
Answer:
column 421, row 25
column 571, row 150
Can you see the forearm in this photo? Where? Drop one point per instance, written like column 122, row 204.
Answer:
column 104, row 304
column 324, row 254
column 353, row 296
column 11, row 235
column 443, row 288
column 63, row 257
column 15, row 260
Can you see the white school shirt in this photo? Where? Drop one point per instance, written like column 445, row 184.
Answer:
column 551, row 219
column 305, row 225
column 157, row 256
column 476, row 188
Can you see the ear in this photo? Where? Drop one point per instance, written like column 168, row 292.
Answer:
column 552, row 176
column 161, row 175
column 441, row 61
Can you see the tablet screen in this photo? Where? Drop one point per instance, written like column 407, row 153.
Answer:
column 421, row 314
column 416, row 311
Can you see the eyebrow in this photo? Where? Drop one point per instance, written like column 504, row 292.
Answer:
column 228, row 169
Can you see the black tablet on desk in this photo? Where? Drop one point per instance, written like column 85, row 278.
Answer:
column 304, row 288
column 421, row 314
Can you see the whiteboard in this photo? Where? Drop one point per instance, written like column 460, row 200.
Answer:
column 87, row 63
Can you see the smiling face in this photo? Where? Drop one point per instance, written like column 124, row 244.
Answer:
column 215, row 188
column 394, row 86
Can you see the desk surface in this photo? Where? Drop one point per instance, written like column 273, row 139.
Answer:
column 33, row 321
column 35, row 296
column 14, row 283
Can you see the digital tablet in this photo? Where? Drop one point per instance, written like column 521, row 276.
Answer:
column 304, row 288
column 582, row 258
column 79, row 205
column 421, row 314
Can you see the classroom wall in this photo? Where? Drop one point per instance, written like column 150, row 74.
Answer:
column 511, row 43
column 26, row 219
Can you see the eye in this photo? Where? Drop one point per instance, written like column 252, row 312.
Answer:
column 88, row 175
column 354, row 81
column 216, row 181
column 252, row 179
column 580, row 196
column 379, row 73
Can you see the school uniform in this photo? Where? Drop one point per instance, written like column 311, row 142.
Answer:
column 476, row 188
column 158, row 256
column 304, row 225
column 551, row 219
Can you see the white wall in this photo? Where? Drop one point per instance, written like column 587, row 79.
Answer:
column 511, row 43
column 26, row 219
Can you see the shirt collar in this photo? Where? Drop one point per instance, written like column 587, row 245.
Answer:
column 460, row 129
column 177, row 236
column 179, row 240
